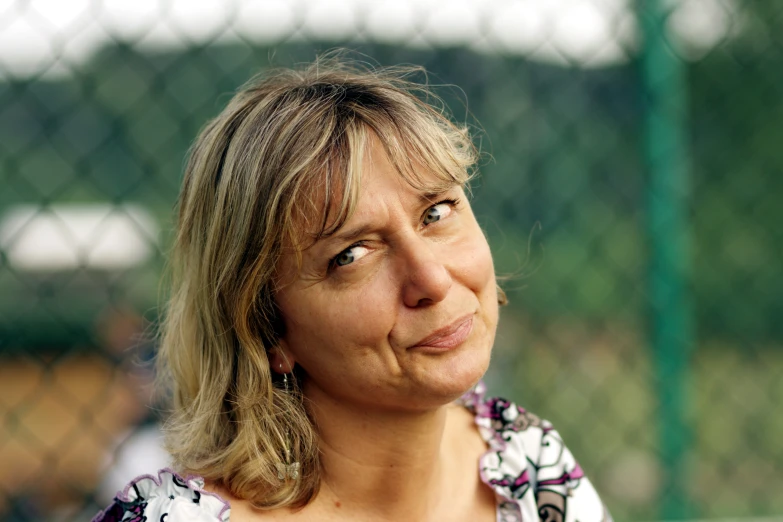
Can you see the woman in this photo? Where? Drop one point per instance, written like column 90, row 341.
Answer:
column 333, row 310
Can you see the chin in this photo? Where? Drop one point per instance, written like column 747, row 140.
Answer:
column 450, row 376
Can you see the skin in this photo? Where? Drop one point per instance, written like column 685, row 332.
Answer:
column 393, row 445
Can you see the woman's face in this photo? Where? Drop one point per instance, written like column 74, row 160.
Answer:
column 398, row 308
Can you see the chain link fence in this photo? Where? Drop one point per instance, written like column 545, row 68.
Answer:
column 579, row 107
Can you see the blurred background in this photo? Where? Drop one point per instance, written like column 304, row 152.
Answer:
column 631, row 188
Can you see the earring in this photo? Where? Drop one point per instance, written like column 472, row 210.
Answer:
column 287, row 470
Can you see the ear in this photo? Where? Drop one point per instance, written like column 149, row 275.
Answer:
column 281, row 359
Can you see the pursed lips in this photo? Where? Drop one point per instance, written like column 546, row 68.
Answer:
column 450, row 335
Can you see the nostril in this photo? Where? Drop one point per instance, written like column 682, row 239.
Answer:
column 428, row 283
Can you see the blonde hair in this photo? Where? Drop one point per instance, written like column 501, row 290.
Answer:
column 283, row 157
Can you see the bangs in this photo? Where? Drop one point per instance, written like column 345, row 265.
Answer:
column 430, row 157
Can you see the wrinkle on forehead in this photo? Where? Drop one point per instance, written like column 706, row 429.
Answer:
column 328, row 198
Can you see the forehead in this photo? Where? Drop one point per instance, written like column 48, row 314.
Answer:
column 330, row 199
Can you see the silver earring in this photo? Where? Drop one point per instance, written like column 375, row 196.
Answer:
column 287, row 470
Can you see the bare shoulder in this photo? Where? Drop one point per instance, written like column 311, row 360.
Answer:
column 243, row 510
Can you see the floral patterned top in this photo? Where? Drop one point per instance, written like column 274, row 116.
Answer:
column 534, row 476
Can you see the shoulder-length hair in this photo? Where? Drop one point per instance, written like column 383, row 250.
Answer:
column 280, row 166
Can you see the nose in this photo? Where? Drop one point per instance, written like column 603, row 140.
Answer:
column 427, row 279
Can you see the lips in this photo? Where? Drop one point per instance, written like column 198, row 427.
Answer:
column 449, row 336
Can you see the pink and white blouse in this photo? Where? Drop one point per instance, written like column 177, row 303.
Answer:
column 533, row 474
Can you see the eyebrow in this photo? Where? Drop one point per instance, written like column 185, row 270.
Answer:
column 351, row 234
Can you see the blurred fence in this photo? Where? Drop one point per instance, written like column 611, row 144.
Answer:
column 632, row 186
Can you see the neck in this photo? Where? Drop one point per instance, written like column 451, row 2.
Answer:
column 391, row 463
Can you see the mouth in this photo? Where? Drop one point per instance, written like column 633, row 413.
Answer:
column 449, row 336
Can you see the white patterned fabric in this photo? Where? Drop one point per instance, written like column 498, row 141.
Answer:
column 166, row 498
column 534, row 476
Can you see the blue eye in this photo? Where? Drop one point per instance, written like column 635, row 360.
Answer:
column 439, row 211
column 349, row 255
column 345, row 257
column 433, row 215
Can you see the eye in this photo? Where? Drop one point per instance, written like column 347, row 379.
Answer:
column 349, row 255
column 439, row 211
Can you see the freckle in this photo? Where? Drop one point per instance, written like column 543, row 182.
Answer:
column 337, row 503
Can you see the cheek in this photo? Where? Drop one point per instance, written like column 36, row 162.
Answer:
column 362, row 317
column 326, row 327
column 475, row 264
column 477, row 272
column 486, row 283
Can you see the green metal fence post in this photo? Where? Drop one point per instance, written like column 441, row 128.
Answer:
column 666, row 155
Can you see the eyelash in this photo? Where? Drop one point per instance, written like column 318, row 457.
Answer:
column 452, row 202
